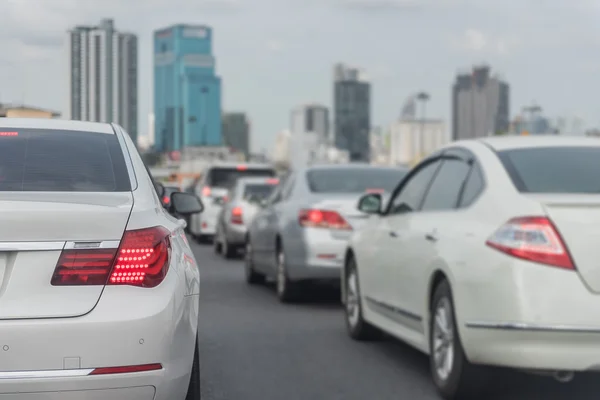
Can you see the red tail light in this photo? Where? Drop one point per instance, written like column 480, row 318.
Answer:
column 242, row 167
column 126, row 370
column 272, row 181
column 532, row 238
column 166, row 199
column 323, row 219
column 375, row 191
column 236, row 216
column 142, row 260
column 206, row 191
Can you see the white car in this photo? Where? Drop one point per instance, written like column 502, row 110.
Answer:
column 99, row 289
column 213, row 188
column 488, row 254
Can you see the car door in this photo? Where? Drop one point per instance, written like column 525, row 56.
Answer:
column 436, row 221
column 392, row 240
column 274, row 218
column 260, row 229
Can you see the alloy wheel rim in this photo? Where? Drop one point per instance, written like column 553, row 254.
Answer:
column 352, row 307
column 443, row 339
column 280, row 273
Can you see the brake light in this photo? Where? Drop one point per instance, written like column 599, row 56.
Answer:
column 376, row 191
column 242, row 167
column 236, row 216
column 142, row 259
column 206, row 191
column 166, row 199
column 272, row 181
column 323, row 219
column 126, row 369
column 532, row 238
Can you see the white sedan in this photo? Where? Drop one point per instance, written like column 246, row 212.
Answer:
column 487, row 254
column 99, row 290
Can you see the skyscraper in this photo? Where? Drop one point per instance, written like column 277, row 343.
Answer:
column 352, row 112
column 480, row 105
column 311, row 118
column 187, row 92
column 103, row 76
column 236, row 132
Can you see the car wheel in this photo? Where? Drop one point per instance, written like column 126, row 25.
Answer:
column 287, row 290
column 453, row 375
column 228, row 250
column 358, row 328
column 217, row 246
column 252, row 277
column 193, row 392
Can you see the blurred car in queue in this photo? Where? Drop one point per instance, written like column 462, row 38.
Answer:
column 244, row 202
column 213, row 188
column 300, row 233
column 169, row 189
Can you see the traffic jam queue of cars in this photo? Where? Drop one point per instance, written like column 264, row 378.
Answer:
column 483, row 255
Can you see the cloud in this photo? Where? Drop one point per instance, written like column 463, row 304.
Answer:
column 476, row 41
column 275, row 45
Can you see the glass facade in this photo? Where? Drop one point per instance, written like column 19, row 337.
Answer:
column 187, row 91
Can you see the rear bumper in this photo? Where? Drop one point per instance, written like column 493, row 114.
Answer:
column 319, row 255
column 129, row 326
column 524, row 315
column 236, row 234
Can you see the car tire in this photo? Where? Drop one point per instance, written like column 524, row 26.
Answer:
column 194, row 392
column 228, row 250
column 456, row 378
column 252, row 277
column 358, row 328
column 287, row 291
column 217, row 246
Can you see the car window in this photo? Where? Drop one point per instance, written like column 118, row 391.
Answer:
column 473, row 187
column 257, row 191
column 286, row 191
column 411, row 194
column 61, row 161
column 226, row 177
column 354, row 180
column 567, row 169
column 446, row 186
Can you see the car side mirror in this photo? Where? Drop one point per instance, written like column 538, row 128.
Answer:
column 370, row 203
column 186, row 203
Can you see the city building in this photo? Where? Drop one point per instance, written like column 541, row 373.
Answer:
column 236, row 132
column 412, row 140
column 352, row 112
column 380, row 146
column 480, row 105
column 312, row 118
column 23, row 111
column 187, row 91
column 103, row 83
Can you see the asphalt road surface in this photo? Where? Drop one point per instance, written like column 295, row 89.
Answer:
column 254, row 348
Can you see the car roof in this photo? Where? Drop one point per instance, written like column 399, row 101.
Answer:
column 500, row 143
column 234, row 165
column 353, row 166
column 56, row 124
column 255, row 179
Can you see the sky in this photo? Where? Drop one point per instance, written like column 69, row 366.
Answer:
column 273, row 55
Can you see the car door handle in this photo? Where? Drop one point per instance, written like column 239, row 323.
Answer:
column 394, row 234
column 432, row 236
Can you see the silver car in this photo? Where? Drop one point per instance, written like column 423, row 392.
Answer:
column 301, row 231
column 243, row 202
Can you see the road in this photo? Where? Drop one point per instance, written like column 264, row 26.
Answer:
column 254, row 348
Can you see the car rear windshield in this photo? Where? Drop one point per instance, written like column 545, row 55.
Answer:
column 226, row 177
column 353, row 180
column 258, row 191
column 61, row 161
column 553, row 169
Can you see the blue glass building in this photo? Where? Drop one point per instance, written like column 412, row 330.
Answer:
column 187, row 91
